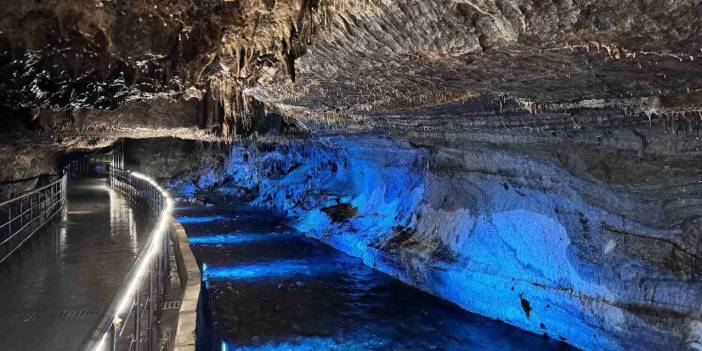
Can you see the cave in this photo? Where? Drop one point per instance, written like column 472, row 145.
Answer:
column 302, row 175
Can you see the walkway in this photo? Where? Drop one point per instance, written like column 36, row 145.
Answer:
column 271, row 288
column 53, row 290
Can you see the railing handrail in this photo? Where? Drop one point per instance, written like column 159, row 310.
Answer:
column 33, row 210
column 129, row 290
column 32, row 192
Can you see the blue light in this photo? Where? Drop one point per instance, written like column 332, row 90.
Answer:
column 205, row 219
column 499, row 240
column 234, row 238
column 189, row 190
column 366, row 338
column 283, row 268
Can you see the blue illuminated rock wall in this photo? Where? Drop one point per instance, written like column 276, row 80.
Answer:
column 501, row 233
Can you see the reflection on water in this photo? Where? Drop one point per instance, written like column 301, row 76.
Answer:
column 236, row 238
column 200, row 219
column 271, row 288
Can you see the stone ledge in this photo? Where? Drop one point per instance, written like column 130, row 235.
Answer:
column 189, row 275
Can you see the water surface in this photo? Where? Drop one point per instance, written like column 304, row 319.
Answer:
column 269, row 287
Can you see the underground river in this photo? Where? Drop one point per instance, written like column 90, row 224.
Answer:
column 268, row 287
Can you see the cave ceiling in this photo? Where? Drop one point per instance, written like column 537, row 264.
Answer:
column 537, row 69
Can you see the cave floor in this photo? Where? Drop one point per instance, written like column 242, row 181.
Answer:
column 54, row 290
column 269, row 287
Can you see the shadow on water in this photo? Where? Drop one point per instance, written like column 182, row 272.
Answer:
column 271, row 288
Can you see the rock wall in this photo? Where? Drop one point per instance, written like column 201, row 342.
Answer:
column 563, row 243
column 438, row 65
column 63, row 56
column 346, row 65
column 26, row 168
column 172, row 158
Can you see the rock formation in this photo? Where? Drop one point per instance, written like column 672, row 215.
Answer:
column 600, row 249
column 543, row 157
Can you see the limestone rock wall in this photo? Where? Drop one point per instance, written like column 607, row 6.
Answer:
column 25, row 168
column 103, row 55
column 595, row 247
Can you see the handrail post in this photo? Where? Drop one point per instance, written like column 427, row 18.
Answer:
column 21, row 214
column 137, row 319
column 159, row 284
column 115, row 337
column 151, row 333
column 164, row 259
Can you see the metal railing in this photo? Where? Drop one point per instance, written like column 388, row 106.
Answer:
column 25, row 215
column 131, row 320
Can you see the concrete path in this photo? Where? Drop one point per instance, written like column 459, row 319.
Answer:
column 53, row 291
